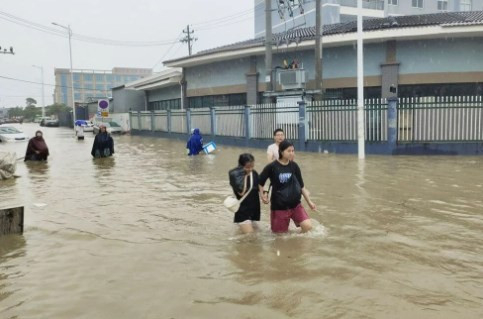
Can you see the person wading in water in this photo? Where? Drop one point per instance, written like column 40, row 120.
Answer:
column 287, row 190
column 103, row 144
column 37, row 149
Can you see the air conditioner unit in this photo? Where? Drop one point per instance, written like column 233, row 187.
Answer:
column 292, row 79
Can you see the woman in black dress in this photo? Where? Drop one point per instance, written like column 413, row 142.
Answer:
column 244, row 179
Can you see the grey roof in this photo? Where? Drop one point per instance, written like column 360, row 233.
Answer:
column 303, row 34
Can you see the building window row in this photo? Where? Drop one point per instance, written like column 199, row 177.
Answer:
column 418, row 4
column 392, row 2
column 465, row 5
column 172, row 104
column 218, row 100
column 443, row 5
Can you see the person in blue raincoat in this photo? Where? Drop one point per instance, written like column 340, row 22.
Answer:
column 195, row 143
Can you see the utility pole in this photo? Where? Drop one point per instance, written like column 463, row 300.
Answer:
column 43, row 91
column 5, row 51
column 268, row 45
column 318, row 47
column 188, row 38
column 360, row 84
column 69, row 30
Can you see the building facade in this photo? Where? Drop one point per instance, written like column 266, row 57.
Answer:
column 334, row 11
column 411, row 7
column 92, row 84
column 342, row 11
column 425, row 55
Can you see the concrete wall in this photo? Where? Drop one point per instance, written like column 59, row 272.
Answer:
column 126, row 100
column 167, row 93
column 452, row 60
column 338, row 62
column 203, row 80
column 435, row 56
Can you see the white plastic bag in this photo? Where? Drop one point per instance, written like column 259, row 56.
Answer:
column 8, row 164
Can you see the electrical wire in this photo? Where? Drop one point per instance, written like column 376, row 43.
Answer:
column 79, row 37
column 166, row 53
column 53, row 85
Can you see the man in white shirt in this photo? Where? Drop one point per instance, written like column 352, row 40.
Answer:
column 272, row 150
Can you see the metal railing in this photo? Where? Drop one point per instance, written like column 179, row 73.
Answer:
column 178, row 121
column 440, row 119
column 446, row 119
column 265, row 118
column 201, row 118
column 160, row 121
column 336, row 120
column 230, row 121
column 145, row 121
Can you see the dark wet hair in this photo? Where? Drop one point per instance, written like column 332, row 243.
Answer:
column 245, row 158
column 282, row 147
column 277, row 130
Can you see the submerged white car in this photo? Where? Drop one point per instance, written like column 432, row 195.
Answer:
column 11, row 134
column 111, row 127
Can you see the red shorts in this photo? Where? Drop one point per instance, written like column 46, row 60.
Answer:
column 280, row 219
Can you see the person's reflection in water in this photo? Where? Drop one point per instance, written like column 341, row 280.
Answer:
column 103, row 170
column 195, row 165
column 282, row 258
column 37, row 168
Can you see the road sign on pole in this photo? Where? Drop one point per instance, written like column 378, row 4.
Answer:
column 103, row 107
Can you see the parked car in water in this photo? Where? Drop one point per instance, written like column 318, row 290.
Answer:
column 51, row 123
column 111, row 127
column 43, row 120
column 11, row 134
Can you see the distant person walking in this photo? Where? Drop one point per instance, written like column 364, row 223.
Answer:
column 241, row 178
column 195, row 143
column 288, row 188
column 103, row 143
column 272, row 150
column 37, row 149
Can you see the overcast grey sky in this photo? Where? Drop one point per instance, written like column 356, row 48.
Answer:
column 216, row 22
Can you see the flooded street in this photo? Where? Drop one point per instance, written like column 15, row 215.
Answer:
column 145, row 235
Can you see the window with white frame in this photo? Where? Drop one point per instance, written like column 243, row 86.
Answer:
column 443, row 5
column 465, row 5
column 418, row 4
column 392, row 2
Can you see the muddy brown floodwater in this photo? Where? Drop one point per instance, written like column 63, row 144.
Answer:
column 144, row 235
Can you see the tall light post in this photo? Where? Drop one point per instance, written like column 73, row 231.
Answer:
column 43, row 95
column 360, row 84
column 69, row 30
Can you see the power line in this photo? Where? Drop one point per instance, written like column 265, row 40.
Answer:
column 79, row 37
column 166, row 53
column 54, row 85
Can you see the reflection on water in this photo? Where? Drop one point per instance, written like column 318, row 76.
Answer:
column 144, row 235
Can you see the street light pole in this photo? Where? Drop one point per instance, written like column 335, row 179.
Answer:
column 360, row 84
column 69, row 30
column 43, row 91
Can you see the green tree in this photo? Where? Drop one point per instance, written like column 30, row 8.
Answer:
column 31, row 111
column 56, row 109
column 30, row 101
column 15, row 112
